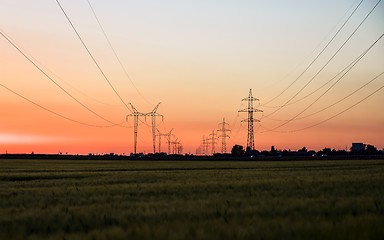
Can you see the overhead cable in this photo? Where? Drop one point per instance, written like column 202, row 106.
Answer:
column 56, row 113
column 90, row 54
column 115, row 53
column 318, row 55
column 317, row 99
column 326, row 64
column 52, row 80
column 341, row 112
column 326, row 120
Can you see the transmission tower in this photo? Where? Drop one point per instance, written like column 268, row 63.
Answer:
column 168, row 135
column 176, row 146
column 223, row 135
column 136, row 114
column 153, row 115
column 250, row 110
column 213, row 136
column 205, row 145
column 179, row 147
column 169, row 141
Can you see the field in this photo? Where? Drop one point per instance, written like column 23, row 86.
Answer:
column 63, row 199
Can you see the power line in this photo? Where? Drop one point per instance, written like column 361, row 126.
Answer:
column 114, row 52
column 319, row 54
column 54, row 74
column 301, row 129
column 90, row 54
column 51, row 79
column 347, row 68
column 326, row 120
column 333, row 104
column 326, row 64
column 316, row 100
column 55, row 113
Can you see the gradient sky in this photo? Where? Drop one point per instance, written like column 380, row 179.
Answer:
column 199, row 59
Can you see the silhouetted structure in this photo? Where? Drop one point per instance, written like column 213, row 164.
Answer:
column 213, row 141
column 168, row 135
column 250, row 110
column 237, row 151
column 357, row 147
column 136, row 114
column 223, row 135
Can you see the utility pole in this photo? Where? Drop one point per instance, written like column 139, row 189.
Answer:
column 250, row 110
column 213, row 141
column 223, row 135
column 136, row 114
column 168, row 135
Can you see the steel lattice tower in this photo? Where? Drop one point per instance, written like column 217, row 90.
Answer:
column 250, row 110
column 136, row 114
column 213, row 141
column 168, row 135
column 153, row 115
column 223, row 131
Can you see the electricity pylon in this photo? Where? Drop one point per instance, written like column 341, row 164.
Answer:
column 205, row 145
column 213, row 141
column 136, row 114
column 199, row 150
column 153, row 115
column 168, row 135
column 176, row 146
column 169, row 141
column 179, row 148
column 250, row 110
column 223, row 135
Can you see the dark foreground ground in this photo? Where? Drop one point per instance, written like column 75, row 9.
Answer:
column 72, row 199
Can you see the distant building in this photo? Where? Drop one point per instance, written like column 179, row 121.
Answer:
column 357, row 147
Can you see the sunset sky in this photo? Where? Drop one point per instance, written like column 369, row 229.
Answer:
column 199, row 59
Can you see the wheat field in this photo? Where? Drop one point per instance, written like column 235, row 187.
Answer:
column 69, row 199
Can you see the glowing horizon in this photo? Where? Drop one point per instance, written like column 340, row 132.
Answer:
column 199, row 59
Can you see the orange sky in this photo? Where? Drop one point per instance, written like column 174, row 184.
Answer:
column 199, row 59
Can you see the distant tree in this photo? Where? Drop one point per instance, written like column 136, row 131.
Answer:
column 273, row 151
column 341, row 152
column 327, row 151
column 265, row 153
column 249, row 152
column 237, row 150
column 303, row 150
column 370, row 149
column 285, row 152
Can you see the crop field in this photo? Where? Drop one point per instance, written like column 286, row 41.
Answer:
column 68, row 199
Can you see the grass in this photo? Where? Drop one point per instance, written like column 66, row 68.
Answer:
column 62, row 199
